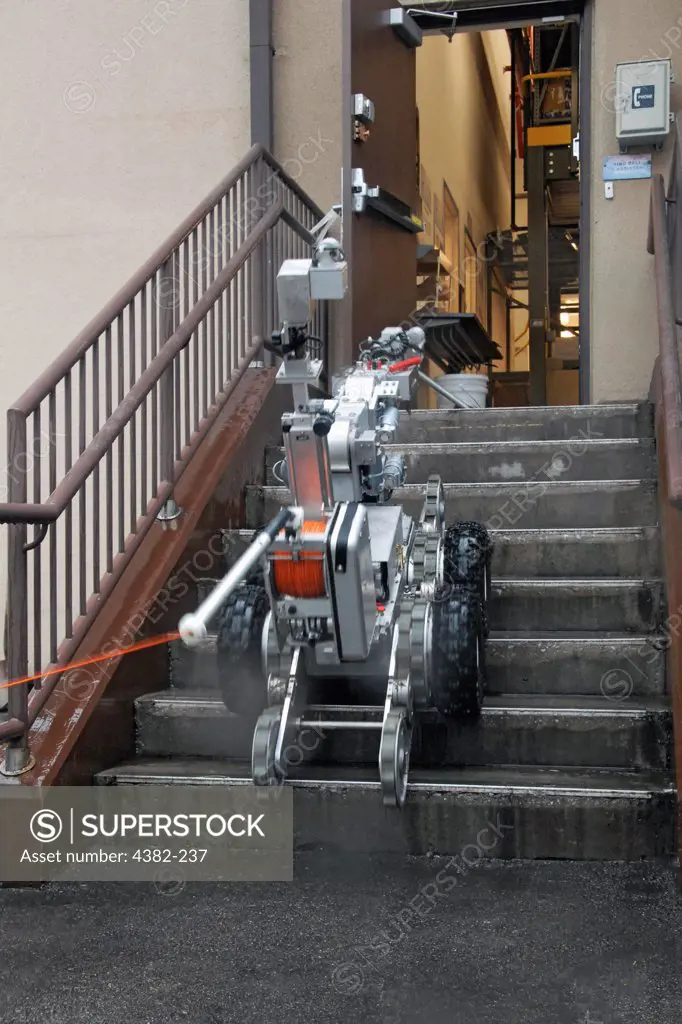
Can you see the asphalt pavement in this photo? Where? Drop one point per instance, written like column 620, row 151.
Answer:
column 352, row 940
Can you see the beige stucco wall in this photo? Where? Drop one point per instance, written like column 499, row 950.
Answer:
column 624, row 333
column 309, row 127
column 116, row 119
column 308, row 94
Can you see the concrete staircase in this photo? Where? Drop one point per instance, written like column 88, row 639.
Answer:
column 571, row 757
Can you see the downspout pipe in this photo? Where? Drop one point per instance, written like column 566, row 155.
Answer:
column 262, row 53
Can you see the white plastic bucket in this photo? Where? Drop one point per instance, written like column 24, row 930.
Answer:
column 471, row 389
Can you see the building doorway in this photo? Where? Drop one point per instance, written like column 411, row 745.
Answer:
column 500, row 121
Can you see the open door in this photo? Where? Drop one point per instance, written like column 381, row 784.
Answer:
column 383, row 245
column 526, row 270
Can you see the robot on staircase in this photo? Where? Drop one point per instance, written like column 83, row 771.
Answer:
column 342, row 584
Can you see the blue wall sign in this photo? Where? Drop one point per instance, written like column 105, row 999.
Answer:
column 627, row 167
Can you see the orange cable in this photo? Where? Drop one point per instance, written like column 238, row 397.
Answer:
column 60, row 669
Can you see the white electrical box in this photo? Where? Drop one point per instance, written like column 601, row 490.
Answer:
column 329, row 283
column 643, row 102
column 293, row 292
column 301, row 283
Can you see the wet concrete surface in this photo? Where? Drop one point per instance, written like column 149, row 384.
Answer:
column 353, row 940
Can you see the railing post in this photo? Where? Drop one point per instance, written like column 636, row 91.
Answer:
column 17, row 755
column 167, row 300
column 259, row 271
column 676, row 233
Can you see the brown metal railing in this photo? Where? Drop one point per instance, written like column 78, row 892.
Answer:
column 97, row 444
column 665, row 243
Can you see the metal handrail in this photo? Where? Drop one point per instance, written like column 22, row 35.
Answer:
column 665, row 219
column 665, row 243
column 69, row 487
column 175, row 341
column 67, row 359
column 671, row 382
column 13, row 727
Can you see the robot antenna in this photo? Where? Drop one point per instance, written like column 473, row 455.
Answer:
column 320, row 230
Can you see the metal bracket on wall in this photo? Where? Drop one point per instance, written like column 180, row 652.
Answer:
column 405, row 27
column 363, row 117
column 373, row 197
column 411, row 24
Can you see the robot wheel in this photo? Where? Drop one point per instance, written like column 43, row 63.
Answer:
column 394, row 757
column 457, row 663
column 265, row 770
column 240, row 630
column 468, row 556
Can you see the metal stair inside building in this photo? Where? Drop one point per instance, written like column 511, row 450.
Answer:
column 571, row 757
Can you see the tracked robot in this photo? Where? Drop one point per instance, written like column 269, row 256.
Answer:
column 342, row 590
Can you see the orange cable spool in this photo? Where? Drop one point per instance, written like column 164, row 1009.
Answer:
column 302, row 576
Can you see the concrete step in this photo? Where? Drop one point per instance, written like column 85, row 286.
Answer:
column 527, row 813
column 566, row 504
column 611, row 665
column 570, row 605
column 513, row 729
column 507, row 461
column 528, row 424
column 614, row 666
column 588, row 605
column 630, row 552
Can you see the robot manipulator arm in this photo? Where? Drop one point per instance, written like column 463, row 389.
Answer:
column 193, row 628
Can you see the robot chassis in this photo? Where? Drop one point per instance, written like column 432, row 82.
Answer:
column 351, row 586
